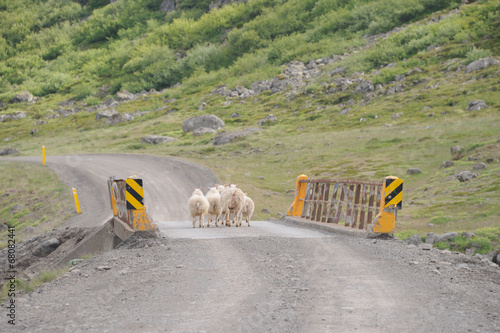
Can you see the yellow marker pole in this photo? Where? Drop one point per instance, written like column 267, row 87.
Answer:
column 43, row 155
column 77, row 203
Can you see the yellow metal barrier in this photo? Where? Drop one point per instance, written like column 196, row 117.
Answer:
column 43, row 155
column 300, row 193
column 127, row 202
column 392, row 198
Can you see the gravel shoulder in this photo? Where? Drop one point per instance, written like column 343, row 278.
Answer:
column 323, row 282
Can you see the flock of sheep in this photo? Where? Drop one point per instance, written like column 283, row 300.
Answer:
column 220, row 201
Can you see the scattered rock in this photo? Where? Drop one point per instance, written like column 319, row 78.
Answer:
column 481, row 64
column 105, row 114
column 203, row 130
column 25, row 96
column 479, row 166
column 235, row 115
column 14, row 116
column 457, row 152
column 413, row 171
column 345, row 111
column 447, row 164
column 46, row 247
column 118, row 118
column 224, row 138
column 446, row 237
column 124, row 95
column 268, row 119
column 8, row 151
column 157, row 139
column 208, row 121
column 476, row 105
column 465, row 176
column 430, row 238
column 414, row 240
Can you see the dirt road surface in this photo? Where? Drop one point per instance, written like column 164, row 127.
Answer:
column 270, row 277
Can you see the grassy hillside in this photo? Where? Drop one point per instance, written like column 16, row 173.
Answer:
column 414, row 53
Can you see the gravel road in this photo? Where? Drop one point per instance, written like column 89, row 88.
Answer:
column 271, row 277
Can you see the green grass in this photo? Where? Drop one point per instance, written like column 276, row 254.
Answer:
column 25, row 286
column 323, row 144
column 31, row 192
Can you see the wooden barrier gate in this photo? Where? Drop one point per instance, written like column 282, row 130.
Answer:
column 356, row 203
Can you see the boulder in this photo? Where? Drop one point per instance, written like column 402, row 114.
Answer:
column 268, row 119
column 109, row 103
column 224, row 138
column 479, row 166
column 430, row 238
column 25, row 96
column 105, row 114
column 118, row 118
column 457, row 152
column 476, row 105
column 203, row 130
column 8, row 151
column 414, row 240
column 481, row 64
column 157, row 139
column 208, row 121
column 46, row 248
column 124, row 95
column 446, row 237
column 17, row 115
column 413, row 171
column 465, row 176
column 167, row 6
column 447, row 164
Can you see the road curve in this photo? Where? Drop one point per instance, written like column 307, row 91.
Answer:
column 168, row 183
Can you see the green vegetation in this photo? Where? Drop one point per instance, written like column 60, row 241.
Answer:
column 32, row 196
column 89, row 50
column 25, row 286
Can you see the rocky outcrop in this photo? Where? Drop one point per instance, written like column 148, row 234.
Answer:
column 157, row 139
column 118, row 118
column 216, row 4
column 25, row 96
column 8, row 151
column 481, row 64
column 203, row 130
column 267, row 120
column 124, row 95
column 13, row 116
column 167, row 6
column 226, row 137
column 105, row 114
column 476, row 105
column 465, row 176
column 208, row 121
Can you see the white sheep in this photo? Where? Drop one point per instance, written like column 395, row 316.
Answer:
column 198, row 206
column 215, row 208
column 248, row 208
column 232, row 202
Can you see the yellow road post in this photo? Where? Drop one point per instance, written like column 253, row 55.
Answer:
column 77, row 203
column 43, row 155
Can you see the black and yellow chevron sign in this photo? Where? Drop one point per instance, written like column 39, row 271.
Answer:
column 393, row 194
column 135, row 193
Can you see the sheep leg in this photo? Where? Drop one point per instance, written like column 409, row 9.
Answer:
column 228, row 223
column 216, row 220
column 194, row 221
column 209, row 219
column 248, row 221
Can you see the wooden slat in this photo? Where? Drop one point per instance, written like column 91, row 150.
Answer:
column 333, row 207
column 363, row 207
column 356, row 204
column 327, row 192
column 315, row 200
column 339, row 205
column 349, row 211
column 319, row 211
column 371, row 201
column 306, row 201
